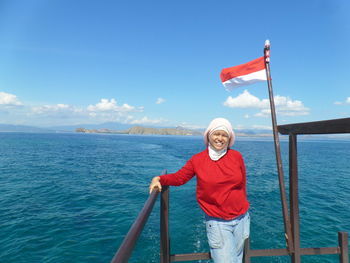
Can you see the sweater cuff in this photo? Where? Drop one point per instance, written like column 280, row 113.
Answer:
column 163, row 179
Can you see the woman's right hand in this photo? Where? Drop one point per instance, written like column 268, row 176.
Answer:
column 155, row 184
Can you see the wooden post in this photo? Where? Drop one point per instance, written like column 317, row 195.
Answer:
column 246, row 256
column 294, row 201
column 164, row 226
column 344, row 247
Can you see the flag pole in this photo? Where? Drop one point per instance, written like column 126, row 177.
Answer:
column 287, row 225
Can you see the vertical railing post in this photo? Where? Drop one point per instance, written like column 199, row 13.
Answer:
column 246, row 256
column 164, row 226
column 294, row 198
column 344, row 247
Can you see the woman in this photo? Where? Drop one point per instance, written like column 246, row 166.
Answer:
column 220, row 192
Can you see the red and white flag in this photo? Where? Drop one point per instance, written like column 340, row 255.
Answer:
column 244, row 74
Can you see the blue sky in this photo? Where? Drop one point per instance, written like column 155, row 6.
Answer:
column 158, row 62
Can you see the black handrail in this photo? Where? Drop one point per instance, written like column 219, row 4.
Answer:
column 127, row 246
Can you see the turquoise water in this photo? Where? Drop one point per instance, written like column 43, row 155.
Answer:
column 73, row 197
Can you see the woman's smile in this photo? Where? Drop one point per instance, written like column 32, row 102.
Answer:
column 219, row 140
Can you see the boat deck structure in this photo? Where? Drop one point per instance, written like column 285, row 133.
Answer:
column 293, row 250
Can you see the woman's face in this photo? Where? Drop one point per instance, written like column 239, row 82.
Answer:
column 219, row 140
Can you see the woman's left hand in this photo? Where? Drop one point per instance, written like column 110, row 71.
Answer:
column 155, row 184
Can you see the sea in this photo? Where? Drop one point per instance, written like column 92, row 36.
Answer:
column 71, row 197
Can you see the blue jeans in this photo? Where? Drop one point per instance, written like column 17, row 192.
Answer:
column 226, row 238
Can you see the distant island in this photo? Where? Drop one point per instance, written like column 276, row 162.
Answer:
column 118, row 128
column 144, row 131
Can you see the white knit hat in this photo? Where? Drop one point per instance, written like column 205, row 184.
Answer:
column 220, row 124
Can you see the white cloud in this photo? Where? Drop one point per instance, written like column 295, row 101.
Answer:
column 56, row 114
column 106, row 105
column 191, row 126
column 160, row 101
column 244, row 100
column 105, row 110
column 239, row 127
column 47, row 109
column 347, row 101
column 260, row 114
column 262, row 127
column 9, row 99
column 109, row 110
column 287, row 107
column 284, row 105
column 145, row 120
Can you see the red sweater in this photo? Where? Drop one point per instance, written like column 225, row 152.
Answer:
column 221, row 185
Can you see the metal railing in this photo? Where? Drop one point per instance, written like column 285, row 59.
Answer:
column 125, row 249
column 321, row 127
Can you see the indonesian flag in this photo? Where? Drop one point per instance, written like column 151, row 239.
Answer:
column 244, row 74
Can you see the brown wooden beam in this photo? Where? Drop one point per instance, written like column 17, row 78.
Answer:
column 317, row 127
column 268, row 252
column 342, row 250
column 189, row 257
column 319, row 251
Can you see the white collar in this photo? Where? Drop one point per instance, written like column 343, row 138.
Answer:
column 214, row 154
